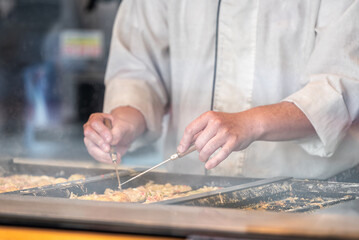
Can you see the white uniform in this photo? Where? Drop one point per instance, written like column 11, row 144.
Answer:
column 162, row 59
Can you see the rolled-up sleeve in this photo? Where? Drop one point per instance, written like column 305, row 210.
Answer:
column 330, row 100
column 137, row 72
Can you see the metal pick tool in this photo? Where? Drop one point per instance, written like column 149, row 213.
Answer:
column 113, row 154
column 173, row 157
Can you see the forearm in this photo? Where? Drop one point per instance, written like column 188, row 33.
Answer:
column 280, row 122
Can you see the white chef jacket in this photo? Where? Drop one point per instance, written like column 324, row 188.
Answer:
column 179, row 56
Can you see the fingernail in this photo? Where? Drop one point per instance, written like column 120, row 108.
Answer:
column 180, row 148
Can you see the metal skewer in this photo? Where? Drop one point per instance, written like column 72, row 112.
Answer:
column 173, row 157
column 112, row 153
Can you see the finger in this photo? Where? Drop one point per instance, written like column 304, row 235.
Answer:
column 220, row 156
column 96, row 152
column 210, row 148
column 203, row 137
column 95, row 138
column 191, row 131
column 97, row 123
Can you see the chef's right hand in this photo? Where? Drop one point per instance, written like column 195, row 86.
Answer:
column 127, row 124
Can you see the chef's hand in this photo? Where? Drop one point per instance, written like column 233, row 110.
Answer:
column 218, row 130
column 228, row 132
column 127, row 124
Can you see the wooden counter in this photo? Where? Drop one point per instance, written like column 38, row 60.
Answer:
column 20, row 233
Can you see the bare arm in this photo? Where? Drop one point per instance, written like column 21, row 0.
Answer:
column 236, row 131
column 281, row 122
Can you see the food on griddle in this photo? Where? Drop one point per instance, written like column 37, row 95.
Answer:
column 148, row 193
column 76, row 176
column 108, row 196
column 23, row 181
column 294, row 203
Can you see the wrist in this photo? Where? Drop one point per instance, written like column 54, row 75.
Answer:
column 257, row 123
column 281, row 122
column 133, row 117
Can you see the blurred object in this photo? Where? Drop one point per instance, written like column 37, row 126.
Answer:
column 42, row 102
column 81, row 44
column 22, row 32
column 79, row 73
column 45, row 95
column 5, row 7
column 36, row 84
column 89, row 97
column 91, row 4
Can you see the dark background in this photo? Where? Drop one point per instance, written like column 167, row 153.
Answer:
column 30, row 65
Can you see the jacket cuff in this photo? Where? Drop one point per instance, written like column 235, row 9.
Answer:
column 325, row 108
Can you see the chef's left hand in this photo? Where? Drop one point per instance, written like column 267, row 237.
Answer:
column 218, row 130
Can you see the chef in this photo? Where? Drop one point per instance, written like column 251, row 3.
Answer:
column 261, row 88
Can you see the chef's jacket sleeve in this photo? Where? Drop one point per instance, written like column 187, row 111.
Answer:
column 330, row 99
column 138, row 66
